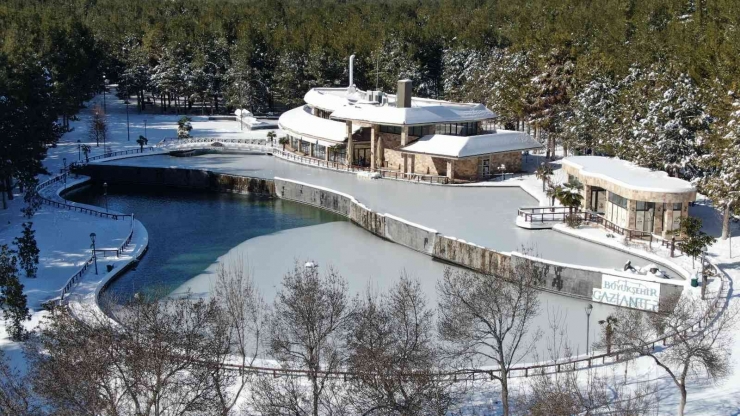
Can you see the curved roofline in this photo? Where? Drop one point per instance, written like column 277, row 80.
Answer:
column 600, row 175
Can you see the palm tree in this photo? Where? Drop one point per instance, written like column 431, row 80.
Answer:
column 543, row 173
column 142, row 142
column 283, row 140
column 553, row 192
column 271, row 136
column 570, row 198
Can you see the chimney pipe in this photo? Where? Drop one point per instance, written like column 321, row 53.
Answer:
column 351, row 70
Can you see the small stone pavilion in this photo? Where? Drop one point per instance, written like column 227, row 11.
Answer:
column 631, row 196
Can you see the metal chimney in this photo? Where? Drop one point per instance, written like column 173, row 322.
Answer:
column 351, row 70
column 403, row 94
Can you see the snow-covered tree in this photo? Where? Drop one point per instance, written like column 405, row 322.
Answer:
column 722, row 182
column 668, row 123
column 28, row 250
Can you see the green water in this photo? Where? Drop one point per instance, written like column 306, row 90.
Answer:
column 189, row 230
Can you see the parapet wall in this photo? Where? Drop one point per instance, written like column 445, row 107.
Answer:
column 597, row 285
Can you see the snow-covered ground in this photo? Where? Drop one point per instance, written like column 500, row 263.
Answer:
column 63, row 238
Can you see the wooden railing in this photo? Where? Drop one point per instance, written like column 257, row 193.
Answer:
column 413, row 177
column 74, row 208
column 560, row 213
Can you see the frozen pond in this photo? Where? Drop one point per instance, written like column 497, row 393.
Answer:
column 484, row 216
column 190, row 231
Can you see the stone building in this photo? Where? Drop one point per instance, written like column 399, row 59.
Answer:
column 631, row 196
column 402, row 134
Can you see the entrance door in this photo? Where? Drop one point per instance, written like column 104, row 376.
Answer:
column 645, row 214
column 598, row 200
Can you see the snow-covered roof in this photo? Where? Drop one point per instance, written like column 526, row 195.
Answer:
column 300, row 122
column 627, row 174
column 421, row 112
column 353, row 104
column 467, row 146
column 330, row 99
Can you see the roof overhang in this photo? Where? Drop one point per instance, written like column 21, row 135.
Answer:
column 463, row 147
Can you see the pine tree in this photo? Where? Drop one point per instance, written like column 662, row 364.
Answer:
column 28, row 251
column 12, row 298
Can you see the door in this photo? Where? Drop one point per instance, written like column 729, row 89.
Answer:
column 598, row 201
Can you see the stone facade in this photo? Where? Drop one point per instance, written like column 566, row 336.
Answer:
column 661, row 217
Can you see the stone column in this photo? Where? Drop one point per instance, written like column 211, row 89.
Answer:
column 350, row 145
column 587, row 197
column 412, row 164
column 374, row 129
column 631, row 214
column 405, row 158
column 658, row 218
column 404, row 135
column 451, row 170
column 326, row 153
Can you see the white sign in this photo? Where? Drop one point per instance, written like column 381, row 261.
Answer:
column 621, row 291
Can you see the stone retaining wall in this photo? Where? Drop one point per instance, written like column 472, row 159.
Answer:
column 577, row 281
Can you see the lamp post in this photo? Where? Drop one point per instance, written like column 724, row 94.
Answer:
column 145, row 128
column 64, row 160
column 128, row 131
column 589, row 308
column 95, row 256
column 105, row 194
column 105, row 86
column 502, row 169
column 79, row 151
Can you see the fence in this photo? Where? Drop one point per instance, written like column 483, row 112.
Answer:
column 91, row 211
column 77, row 276
column 552, row 214
column 413, row 177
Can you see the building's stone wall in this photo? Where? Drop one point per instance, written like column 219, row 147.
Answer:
column 391, row 157
column 466, row 168
column 512, row 160
column 428, row 165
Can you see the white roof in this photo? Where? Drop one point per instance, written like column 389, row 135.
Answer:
column 466, row 146
column 628, row 174
column 331, row 98
column 420, row 112
column 351, row 104
column 300, row 122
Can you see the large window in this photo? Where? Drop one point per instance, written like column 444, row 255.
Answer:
column 616, row 210
column 644, row 216
column 390, row 129
column 319, row 151
column 457, row 129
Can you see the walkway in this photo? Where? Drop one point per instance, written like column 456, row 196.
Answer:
column 481, row 215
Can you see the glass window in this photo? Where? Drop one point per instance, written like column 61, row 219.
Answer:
column 617, row 200
column 677, row 206
column 390, row 129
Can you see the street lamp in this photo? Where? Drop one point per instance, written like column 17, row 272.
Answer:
column 95, row 257
column 79, row 151
column 128, row 132
column 64, row 160
column 145, row 128
column 105, row 194
column 105, row 86
column 589, row 308
column 502, row 169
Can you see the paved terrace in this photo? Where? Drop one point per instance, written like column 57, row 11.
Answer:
column 482, row 215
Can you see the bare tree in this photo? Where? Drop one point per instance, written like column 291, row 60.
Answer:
column 487, row 318
column 237, row 333
column 308, row 326
column 98, row 125
column 394, row 357
column 579, row 392
column 691, row 353
column 16, row 397
column 153, row 361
